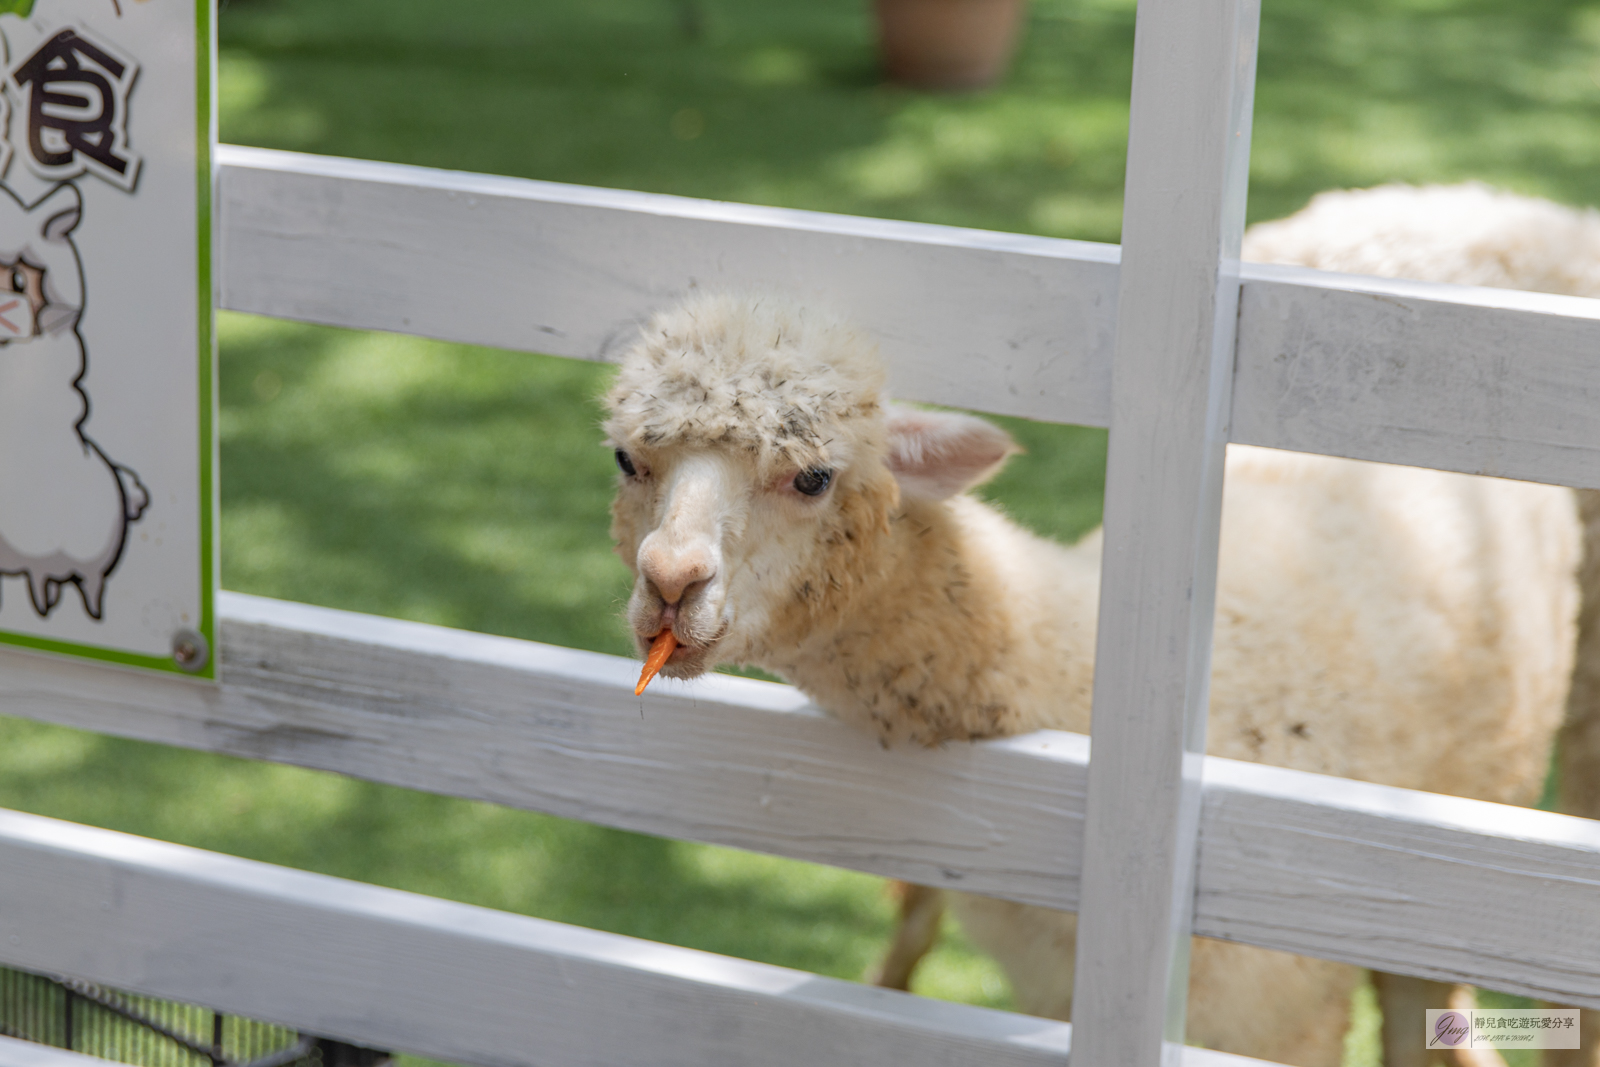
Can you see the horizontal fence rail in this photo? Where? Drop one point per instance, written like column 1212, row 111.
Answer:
column 379, row 966
column 1478, row 380
column 1405, row 881
column 571, row 270
column 464, row 983
column 1486, row 381
column 15, row 1053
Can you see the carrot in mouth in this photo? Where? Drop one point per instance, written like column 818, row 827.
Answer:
column 660, row 651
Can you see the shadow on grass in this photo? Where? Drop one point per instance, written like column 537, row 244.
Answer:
column 773, row 103
column 776, row 103
column 459, row 486
column 1364, row 91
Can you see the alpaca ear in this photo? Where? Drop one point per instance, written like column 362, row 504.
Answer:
column 61, row 209
column 937, row 454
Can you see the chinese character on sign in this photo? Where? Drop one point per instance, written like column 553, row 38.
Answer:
column 75, row 93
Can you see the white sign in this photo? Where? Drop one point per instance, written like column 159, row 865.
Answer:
column 107, row 366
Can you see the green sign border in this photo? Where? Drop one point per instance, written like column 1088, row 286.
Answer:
column 205, row 150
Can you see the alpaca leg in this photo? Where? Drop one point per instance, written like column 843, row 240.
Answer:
column 1403, row 1000
column 92, row 588
column 1035, row 946
column 1270, row 1005
column 1587, row 1054
column 1464, row 998
column 44, row 591
column 1579, row 741
column 1578, row 746
column 921, row 908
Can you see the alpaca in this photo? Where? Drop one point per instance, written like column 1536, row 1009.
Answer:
column 1472, row 234
column 776, row 511
column 64, row 505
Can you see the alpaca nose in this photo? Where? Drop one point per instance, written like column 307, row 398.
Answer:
column 673, row 573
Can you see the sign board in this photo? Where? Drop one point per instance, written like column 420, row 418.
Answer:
column 107, row 448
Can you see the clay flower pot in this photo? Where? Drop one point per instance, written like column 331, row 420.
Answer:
column 947, row 44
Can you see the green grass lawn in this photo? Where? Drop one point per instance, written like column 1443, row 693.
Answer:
column 465, row 486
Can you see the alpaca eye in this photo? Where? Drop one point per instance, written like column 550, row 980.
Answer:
column 813, row 481
column 626, row 464
column 19, row 282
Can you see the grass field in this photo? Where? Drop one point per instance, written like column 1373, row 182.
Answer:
column 464, row 486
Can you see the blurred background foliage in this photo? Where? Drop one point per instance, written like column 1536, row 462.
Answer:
column 465, row 486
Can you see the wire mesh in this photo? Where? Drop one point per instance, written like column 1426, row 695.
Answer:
column 146, row 1031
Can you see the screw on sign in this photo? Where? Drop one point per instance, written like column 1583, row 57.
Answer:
column 190, row 650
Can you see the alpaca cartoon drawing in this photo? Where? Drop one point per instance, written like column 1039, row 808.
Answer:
column 65, row 505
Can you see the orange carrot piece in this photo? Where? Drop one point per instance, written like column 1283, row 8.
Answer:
column 660, row 651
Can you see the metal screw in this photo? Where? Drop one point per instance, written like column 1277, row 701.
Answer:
column 190, row 650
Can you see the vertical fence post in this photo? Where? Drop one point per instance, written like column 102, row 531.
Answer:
column 1183, row 213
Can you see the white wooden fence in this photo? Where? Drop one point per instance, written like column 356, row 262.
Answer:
column 1171, row 343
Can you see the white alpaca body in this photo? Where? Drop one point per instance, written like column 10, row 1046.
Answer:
column 1397, row 625
column 64, row 506
column 1490, row 553
column 66, row 501
column 1390, row 624
column 1463, row 234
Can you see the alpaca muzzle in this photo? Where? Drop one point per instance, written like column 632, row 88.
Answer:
column 16, row 318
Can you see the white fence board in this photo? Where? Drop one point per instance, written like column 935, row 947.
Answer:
column 1486, row 381
column 14, row 1053
column 389, row 969
column 1002, row 322
column 723, row 760
column 1405, row 882
column 1350, row 871
column 1005, row 323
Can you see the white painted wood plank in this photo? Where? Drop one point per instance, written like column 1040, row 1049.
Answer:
column 1183, row 216
column 1357, row 872
column 1476, row 380
column 1485, row 381
column 723, row 760
column 14, row 1053
column 1351, row 871
column 388, row 969
column 1003, row 322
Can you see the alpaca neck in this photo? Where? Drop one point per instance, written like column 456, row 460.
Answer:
column 913, row 644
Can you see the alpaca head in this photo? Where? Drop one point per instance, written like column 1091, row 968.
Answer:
column 41, row 283
column 760, row 472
